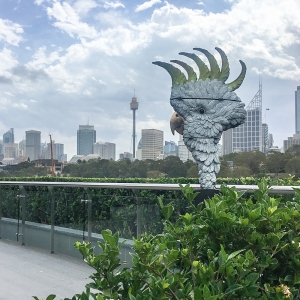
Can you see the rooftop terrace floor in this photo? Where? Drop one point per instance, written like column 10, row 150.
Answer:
column 27, row 271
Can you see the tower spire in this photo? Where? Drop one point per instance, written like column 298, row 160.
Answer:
column 134, row 105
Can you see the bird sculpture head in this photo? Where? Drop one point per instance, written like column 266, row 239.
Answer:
column 204, row 107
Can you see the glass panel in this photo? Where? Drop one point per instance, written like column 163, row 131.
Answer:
column 38, row 217
column 11, row 212
column 116, row 213
column 70, row 219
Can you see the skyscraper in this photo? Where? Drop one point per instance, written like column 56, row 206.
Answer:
column 252, row 135
column 183, row 152
column 33, row 144
column 152, row 143
column 86, row 137
column 105, row 150
column 297, row 110
column 110, row 150
column 10, row 150
column 58, row 151
column 8, row 137
column 265, row 138
column 170, row 148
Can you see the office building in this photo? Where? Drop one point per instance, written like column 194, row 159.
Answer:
column 183, row 153
column 265, row 138
column 8, row 137
column 271, row 140
column 152, row 144
column 170, row 148
column 105, row 150
column 125, row 155
column 33, row 144
column 139, row 150
column 57, row 149
column 291, row 141
column 252, row 135
column 22, row 148
column 86, row 137
column 297, row 110
column 1, row 150
column 10, row 150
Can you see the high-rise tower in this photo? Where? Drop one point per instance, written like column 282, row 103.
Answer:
column 134, row 105
column 86, row 137
column 8, row 137
column 33, row 144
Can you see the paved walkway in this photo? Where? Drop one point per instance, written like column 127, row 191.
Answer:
column 27, row 271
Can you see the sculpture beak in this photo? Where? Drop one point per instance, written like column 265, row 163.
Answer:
column 176, row 123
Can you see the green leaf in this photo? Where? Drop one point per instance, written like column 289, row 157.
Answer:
column 206, row 292
column 233, row 288
column 51, row 297
column 234, row 254
column 166, row 210
column 108, row 237
column 252, row 278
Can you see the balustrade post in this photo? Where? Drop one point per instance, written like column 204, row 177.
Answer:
column 51, row 190
column 138, row 213
column 23, row 210
column 89, row 209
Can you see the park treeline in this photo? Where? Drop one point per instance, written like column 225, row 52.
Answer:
column 233, row 165
column 257, row 164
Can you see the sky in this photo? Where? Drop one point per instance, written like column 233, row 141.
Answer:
column 77, row 62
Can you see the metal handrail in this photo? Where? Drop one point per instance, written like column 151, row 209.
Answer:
column 135, row 187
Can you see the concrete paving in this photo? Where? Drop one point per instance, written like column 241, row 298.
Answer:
column 27, row 271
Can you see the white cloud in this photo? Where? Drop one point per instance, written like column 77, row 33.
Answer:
column 4, row 103
column 20, row 105
column 146, row 5
column 9, row 94
column 113, row 5
column 68, row 20
column 40, row 59
column 7, row 61
column 38, row 2
column 10, row 32
column 33, row 101
column 82, row 7
column 200, row 3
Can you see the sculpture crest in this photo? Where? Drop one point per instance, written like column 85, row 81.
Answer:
column 204, row 106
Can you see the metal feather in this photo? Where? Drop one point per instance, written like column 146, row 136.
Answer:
column 192, row 76
column 214, row 67
column 225, row 70
column 237, row 83
column 203, row 69
column 177, row 76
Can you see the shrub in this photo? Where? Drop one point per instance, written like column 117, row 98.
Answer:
column 228, row 247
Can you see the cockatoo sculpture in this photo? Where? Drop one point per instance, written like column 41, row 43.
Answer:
column 204, row 106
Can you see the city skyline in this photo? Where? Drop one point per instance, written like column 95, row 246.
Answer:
column 65, row 63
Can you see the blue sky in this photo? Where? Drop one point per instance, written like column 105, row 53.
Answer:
column 63, row 63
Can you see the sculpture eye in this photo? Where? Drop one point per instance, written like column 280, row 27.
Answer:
column 176, row 115
column 201, row 111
